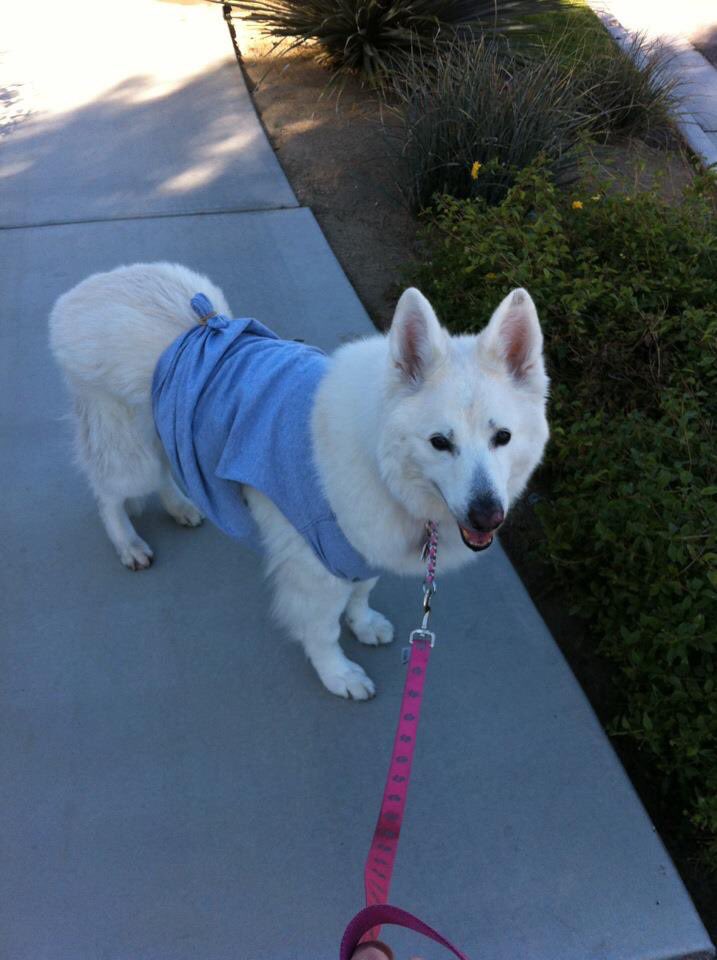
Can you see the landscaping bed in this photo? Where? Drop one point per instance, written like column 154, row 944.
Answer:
column 613, row 539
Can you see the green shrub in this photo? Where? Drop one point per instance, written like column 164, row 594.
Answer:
column 370, row 36
column 629, row 90
column 625, row 91
column 468, row 98
column 559, row 80
column 626, row 286
column 472, row 100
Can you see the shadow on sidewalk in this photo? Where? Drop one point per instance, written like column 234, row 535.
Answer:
column 198, row 148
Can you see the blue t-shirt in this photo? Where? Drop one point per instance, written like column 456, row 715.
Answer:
column 232, row 405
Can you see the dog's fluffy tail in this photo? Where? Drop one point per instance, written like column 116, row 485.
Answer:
column 109, row 331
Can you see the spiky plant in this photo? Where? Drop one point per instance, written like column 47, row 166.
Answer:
column 467, row 118
column 631, row 90
column 370, row 36
column 627, row 88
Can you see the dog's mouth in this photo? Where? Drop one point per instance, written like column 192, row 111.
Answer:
column 475, row 540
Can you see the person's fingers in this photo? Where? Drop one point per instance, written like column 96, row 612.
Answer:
column 374, row 950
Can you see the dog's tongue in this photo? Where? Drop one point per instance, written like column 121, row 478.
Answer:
column 475, row 538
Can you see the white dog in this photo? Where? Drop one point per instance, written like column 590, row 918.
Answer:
column 407, row 427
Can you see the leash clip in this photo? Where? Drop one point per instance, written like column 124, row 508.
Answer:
column 422, row 635
column 429, row 588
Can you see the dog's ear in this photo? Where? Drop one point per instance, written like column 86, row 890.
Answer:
column 514, row 340
column 416, row 339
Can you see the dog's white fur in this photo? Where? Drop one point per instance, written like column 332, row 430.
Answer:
column 376, row 410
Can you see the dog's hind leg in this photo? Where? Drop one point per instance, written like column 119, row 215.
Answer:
column 176, row 504
column 118, row 450
column 368, row 626
column 131, row 548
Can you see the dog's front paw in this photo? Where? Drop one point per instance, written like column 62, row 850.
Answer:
column 347, row 679
column 136, row 554
column 372, row 628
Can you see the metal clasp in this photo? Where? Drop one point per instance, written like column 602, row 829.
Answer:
column 428, row 590
column 427, row 636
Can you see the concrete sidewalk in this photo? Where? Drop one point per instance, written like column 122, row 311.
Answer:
column 143, row 115
column 176, row 783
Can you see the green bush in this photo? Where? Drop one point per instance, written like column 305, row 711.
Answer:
column 471, row 99
column 624, row 90
column 370, row 36
column 629, row 90
column 468, row 98
column 626, row 286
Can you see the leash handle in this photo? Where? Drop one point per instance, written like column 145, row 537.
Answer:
column 372, row 917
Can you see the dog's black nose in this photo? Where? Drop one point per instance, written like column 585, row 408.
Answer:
column 485, row 514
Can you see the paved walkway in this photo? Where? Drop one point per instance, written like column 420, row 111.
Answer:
column 176, row 784
column 679, row 26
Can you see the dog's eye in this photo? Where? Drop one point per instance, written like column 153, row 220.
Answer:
column 439, row 442
column 501, row 438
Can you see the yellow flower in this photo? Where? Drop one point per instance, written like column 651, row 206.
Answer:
column 577, row 204
column 474, row 169
column 491, row 276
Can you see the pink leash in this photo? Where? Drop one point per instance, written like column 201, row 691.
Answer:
column 366, row 925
